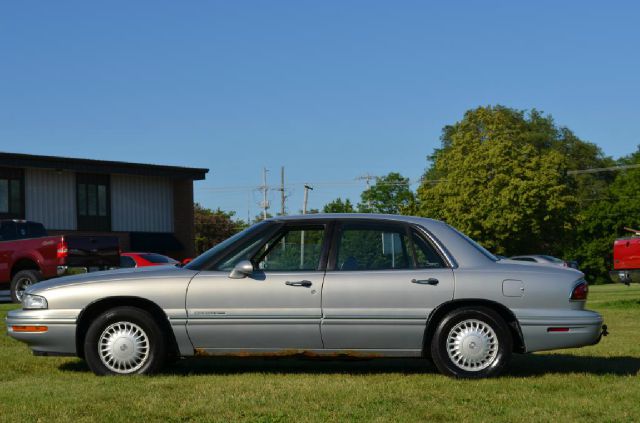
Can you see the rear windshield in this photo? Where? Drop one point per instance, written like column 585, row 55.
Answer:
column 157, row 258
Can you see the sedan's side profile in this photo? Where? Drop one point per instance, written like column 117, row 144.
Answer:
column 327, row 285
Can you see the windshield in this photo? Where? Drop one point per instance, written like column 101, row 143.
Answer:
column 204, row 258
column 157, row 258
column 553, row 259
column 477, row 246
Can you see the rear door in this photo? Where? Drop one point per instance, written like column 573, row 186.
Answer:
column 385, row 279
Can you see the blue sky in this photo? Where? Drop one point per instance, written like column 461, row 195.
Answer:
column 330, row 89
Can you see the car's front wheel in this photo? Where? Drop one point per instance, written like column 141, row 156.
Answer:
column 471, row 342
column 123, row 341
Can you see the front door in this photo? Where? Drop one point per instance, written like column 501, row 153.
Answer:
column 386, row 279
column 275, row 309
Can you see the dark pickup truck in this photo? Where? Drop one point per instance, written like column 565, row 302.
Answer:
column 29, row 255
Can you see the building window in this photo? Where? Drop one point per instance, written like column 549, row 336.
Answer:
column 11, row 193
column 94, row 202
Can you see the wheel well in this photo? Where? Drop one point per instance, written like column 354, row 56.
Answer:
column 436, row 316
column 93, row 310
column 23, row 264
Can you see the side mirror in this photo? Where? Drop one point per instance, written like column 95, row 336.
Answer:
column 242, row 269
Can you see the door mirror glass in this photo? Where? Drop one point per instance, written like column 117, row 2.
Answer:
column 242, row 269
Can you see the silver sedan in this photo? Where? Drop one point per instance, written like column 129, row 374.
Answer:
column 316, row 285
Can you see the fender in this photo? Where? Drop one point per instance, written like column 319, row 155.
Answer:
column 436, row 315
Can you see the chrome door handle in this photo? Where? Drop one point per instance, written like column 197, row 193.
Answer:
column 430, row 281
column 299, row 283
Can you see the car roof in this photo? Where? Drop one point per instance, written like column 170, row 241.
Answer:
column 357, row 216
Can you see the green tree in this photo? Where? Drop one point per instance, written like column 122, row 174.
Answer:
column 213, row 226
column 390, row 194
column 501, row 177
column 339, row 206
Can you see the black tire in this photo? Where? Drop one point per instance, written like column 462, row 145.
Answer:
column 21, row 280
column 120, row 317
column 491, row 359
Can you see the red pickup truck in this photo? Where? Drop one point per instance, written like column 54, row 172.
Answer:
column 626, row 258
column 28, row 255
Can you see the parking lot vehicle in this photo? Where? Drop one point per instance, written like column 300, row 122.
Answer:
column 129, row 260
column 545, row 259
column 356, row 285
column 28, row 255
column 626, row 258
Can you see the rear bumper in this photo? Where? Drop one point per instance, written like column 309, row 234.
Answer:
column 557, row 333
column 58, row 339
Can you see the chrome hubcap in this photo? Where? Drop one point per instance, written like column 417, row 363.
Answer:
column 21, row 286
column 123, row 347
column 472, row 345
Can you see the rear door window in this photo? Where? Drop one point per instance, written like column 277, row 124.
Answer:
column 373, row 247
column 7, row 231
column 21, row 230
column 36, row 230
column 426, row 256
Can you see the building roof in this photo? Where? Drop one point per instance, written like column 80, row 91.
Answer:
column 100, row 166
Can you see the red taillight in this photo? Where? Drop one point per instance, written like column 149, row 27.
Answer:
column 62, row 250
column 580, row 292
column 557, row 329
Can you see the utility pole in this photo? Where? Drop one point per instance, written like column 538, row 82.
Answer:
column 307, row 187
column 306, row 198
column 249, row 208
column 264, row 188
column 367, row 178
column 282, row 196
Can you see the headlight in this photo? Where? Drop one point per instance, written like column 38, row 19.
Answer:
column 31, row 302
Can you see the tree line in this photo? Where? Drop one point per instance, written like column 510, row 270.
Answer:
column 507, row 178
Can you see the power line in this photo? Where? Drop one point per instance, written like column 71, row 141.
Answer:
column 603, row 169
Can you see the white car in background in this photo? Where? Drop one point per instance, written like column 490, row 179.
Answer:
column 544, row 259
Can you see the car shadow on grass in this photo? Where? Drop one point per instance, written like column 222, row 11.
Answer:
column 527, row 365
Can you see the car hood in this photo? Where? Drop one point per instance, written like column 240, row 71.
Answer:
column 112, row 275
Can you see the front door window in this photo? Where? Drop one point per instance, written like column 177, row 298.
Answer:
column 293, row 249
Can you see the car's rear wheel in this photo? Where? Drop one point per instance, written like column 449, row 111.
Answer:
column 21, row 281
column 471, row 342
column 123, row 341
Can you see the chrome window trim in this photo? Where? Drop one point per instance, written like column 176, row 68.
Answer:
column 451, row 261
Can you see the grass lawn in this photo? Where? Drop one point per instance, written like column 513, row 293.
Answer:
column 600, row 383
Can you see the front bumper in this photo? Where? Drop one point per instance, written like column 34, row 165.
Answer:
column 552, row 333
column 59, row 338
